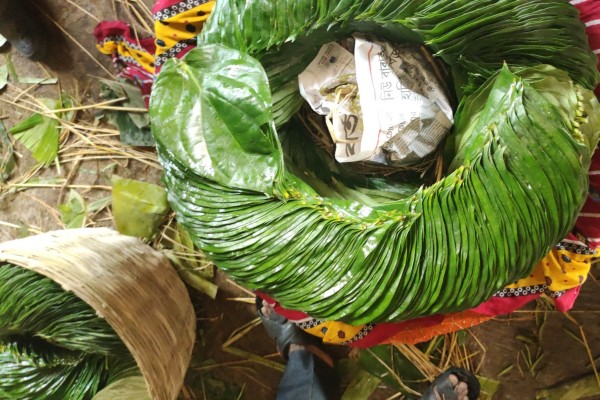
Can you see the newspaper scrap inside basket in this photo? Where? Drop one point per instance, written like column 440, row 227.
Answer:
column 383, row 104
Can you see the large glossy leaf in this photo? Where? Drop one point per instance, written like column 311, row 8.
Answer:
column 211, row 110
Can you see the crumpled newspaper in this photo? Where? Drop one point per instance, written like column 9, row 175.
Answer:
column 383, row 104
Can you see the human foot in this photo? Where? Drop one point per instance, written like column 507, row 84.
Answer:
column 288, row 336
column 454, row 384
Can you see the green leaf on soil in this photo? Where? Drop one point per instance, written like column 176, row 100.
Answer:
column 116, row 89
column 99, row 204
column 130, row 133
column 138, row 207
column 40, row 133
column 7, row 159
column 3, row 76
column 361, row 387
column 489, row 387
column 583, row 388
column 73, row 213
column 130, row 388
column 134, row 127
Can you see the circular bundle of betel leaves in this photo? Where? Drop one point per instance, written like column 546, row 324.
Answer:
column 278, row 215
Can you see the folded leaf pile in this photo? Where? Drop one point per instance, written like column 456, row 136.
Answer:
column 52, row 344
column 290, row 224
column 82, row 308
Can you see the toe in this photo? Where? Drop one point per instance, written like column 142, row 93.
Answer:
column 461, row 390
column 453, row 379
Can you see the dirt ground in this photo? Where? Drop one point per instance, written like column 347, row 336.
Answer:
column 500, row 347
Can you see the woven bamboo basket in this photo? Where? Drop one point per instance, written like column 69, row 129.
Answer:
column 129, row 284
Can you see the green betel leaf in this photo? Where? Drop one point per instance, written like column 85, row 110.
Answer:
column 217, row 102
column 138, row 207
column 40, row 133
column 130, row 388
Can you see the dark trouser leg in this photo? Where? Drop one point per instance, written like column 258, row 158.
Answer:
column 18, row 25
column 307, row 377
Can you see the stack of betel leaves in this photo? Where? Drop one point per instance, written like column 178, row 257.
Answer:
column 82, row 309
column 278, row 215
column 52, row 344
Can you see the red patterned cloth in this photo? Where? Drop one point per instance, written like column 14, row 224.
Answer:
column 133, row 60
column 176, row 26
column 588, row 224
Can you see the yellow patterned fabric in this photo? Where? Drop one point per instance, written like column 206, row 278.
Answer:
column 560, row 270
column 180, row 27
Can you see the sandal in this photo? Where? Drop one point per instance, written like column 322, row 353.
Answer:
column 284, row 332
column 445, row 389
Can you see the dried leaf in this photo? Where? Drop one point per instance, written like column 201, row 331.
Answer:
column 115, row 89
column 3, row 76
column 198, row 283
column 130, row 388
column 130, row 133
column 134, row 127
column 580, row 389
